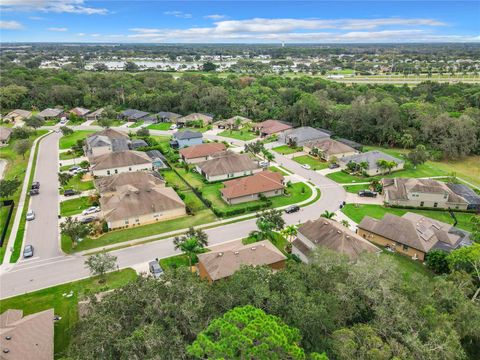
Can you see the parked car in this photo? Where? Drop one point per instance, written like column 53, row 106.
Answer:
column 367, row 193
column 63, row 121
column 155, row 268
column 91, row 210
column 173, row 127
column 74, row 168
column 292, row 209
column 88, row 220
column 333, row 166
column 264, row 163
column 30, row 215
column 28, row 251
column 35, row 185
column 34, row 192
column 69, row 192
column 306, row 166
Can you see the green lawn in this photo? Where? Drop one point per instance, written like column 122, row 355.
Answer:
column 193, row 178
column 77, row 184
column 407, row 266
column 356, row 188
column 286, row 150
column 74, row 206
column 314, row 163
column 192, row 201
column 173, row 179
column 467, row 168
column 275, row 238
column 244, row 135
column 50, row 123
column 66, row 142
column 160, row 138
column 160, row 126
column 201, row 129
column 136, row 124
column 279, row 170
column 357, row 212
column 174, row 262
column 119, row 236
column 65, row 307
column 69, row 155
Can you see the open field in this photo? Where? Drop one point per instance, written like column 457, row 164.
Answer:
column 357, row 213
column 66, row 142
column 66, row 308
column 314, row 163
column 238, row 134
column 467, row 168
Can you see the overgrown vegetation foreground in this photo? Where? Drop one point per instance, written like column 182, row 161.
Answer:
column 368, row 310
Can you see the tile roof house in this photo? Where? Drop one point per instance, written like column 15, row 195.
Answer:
column 301, row 135
column 372, row 157
column 18, row 115
column 95, row 115
column 470, row 196
column 231, row 123
column 186, row 138
column 329, row 148
column 26, row 337
column 227, row 165
column 198, row 153
column 51, row 113
column 132, row 115
column 216, row 265
column 133, row 199
column 106, row 141
column 269, row 127
column 332, row 235
column 421, row 193
column 79, row 111
column 205, row 118
column 120, row 162
column 412, row 234
column 5, row 134
column 249, row 188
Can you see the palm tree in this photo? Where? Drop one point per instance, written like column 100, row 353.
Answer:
column 328, row 214
column 190, row 247
column 345, row 223
column 289, row 232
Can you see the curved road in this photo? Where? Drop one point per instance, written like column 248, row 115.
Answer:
column 50, row 270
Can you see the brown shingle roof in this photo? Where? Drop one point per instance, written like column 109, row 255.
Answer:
column 330, row 147
column 272, row 126
column 119, row 159
column 110, row 133
column 24, row 113
column 5, row 133
column 31, row 337
column 221, row 264
column 254, row 184
column 140, row 179
column 228, row 163
column 194, row 117
column 79, row 111
column 50, row 112
column 201, row 150
column 331, row 234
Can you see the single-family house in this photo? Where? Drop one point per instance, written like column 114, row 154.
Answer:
column 17, row 115
column 233, row 123
column 412, row 234
column 205, row 118
column 198, row 153
column 26, row 337
column 137, row 143
column 5, row 134
column 332, row 235
column 302, row 135
column 470, row 196
column 106, row 141
column 372, row 158
column 134, row 199
column 50, row 113
column 216, row 265
column 120, row 162
column 421, row 193
column 353, row 144
column 250, row 188
column 167, row 116
column 227, row 165
column 158, row 160
column 95, row 115
column 328, row 149
column 270, row 127
column 186, row 138
column 79, row 111
column 132, row 115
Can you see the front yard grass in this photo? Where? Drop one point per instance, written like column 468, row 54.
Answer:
column 160, row 126
column 279, row 170
column 314, row 163
column 66, row 308
column 357, row 213
column 66, row 142
column 68, row 155
column 74, row 206
column 244, row 135
column 119, row 236
column 137, row 124
column 286, row 150
column 355, row 188
column 77, row 184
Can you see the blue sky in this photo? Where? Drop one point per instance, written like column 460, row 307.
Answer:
column 239, row 21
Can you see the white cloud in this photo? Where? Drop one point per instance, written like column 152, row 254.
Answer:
column 81, row 34
column 178, row 14
column 36, row 18
column 215, row 17
column 58, row 29
column 57, row 6
column 10, row 25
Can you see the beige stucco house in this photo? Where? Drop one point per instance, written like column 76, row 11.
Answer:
column 198, row 153
column 106, row 141
column 227, row 165
column 372, row 158
column 329, row 149
column 17, row 115
column 119, row 162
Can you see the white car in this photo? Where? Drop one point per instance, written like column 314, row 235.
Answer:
column 91, row 210
column 173, row 127
column 264, row 163
column 30, row 215
column 306, row 166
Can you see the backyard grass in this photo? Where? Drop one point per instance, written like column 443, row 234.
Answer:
column 357, row 212
column 467, row 168
column 119, row 236
column 314, row 163
column 160, row 126
column 286, row 150
column 193, row 178
column 77, row 184
column 279, row 170
column 192, row 201
column 66, row 308
column 74, row 206
column 66, row 142
column 407, row 266
column 244, row 135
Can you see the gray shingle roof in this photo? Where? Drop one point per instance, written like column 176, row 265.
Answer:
column 371, row 157
column 229, row 163
column 465, row 192
column 303, row 134
column 185, row 135
column 133, row 114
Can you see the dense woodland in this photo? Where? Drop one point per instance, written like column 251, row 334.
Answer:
column 445, row 117
column 367, row 310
